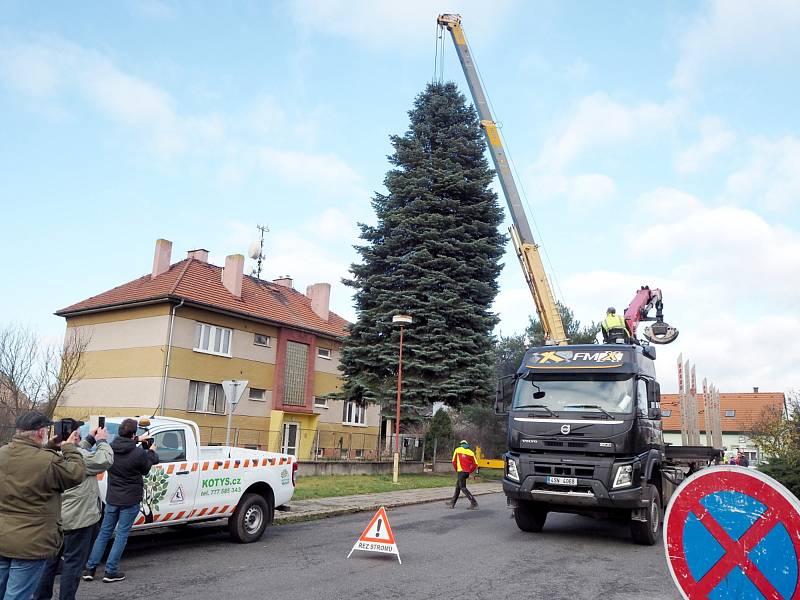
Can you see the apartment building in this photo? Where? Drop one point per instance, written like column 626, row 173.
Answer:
column 163, row 343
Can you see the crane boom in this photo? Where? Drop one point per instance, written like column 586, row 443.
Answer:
column 521, row 236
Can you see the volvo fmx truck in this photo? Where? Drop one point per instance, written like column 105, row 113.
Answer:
column 585, row 437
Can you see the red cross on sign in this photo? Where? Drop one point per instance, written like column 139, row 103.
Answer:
column 733, row 532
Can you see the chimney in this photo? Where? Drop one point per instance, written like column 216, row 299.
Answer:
column 284, row 281
column 232, row 274
column 200, row 254
column 320, row 294
column 161, row 258
column 755, row 390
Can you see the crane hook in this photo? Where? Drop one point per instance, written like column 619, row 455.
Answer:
column 660, row 333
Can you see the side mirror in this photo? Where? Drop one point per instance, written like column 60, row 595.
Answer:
column 649, row 352
column 654, row 413
column 505, row 389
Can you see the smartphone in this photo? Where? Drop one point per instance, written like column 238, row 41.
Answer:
column 101, row 421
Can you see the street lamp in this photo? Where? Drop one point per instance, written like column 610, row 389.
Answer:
column 399, row 320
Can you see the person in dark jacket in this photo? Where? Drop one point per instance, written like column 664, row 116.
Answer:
column 32, row 480
column 125, row 492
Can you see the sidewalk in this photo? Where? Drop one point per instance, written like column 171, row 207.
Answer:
column 321, row 508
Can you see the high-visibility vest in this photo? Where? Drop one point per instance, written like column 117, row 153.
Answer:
column 613, row 321
column 464, row 460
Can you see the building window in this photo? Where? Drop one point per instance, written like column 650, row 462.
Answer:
column 259, row 339
column 730, row 412
column 295, row 373
column 359, row 453
column 666, row 412
column 354, row 414
column 258, row 394
column 206, row 397
column 320, row 402
column 324, row 353
column 213, row 339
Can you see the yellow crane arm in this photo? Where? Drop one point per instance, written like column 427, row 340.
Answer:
column 527, row 250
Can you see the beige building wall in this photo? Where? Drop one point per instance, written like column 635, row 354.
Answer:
column 134, row 333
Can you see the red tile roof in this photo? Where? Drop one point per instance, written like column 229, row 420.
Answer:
column 201, row 283
column 747, row 408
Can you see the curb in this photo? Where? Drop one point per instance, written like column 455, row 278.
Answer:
column 279, row 519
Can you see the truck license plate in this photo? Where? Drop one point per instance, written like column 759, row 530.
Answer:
column 562, row 480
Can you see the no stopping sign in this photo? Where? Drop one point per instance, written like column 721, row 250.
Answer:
column 732, row 532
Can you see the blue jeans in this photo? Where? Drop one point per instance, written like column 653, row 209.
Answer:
column 121, row 518
column 19, row 578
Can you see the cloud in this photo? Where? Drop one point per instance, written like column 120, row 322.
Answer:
column 581, row 191
column 51, row 70
column 600, row 121
column 715, row 139
column 405, row 26
column 733, row 34
column 771, row 177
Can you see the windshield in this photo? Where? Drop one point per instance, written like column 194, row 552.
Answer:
column 111, row 427
column 590, row 393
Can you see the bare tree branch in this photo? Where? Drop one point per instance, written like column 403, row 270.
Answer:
column 34, row 374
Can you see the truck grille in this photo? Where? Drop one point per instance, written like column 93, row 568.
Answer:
column 558, row 444
column 564, row 470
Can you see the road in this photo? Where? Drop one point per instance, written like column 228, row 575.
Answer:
column 446, row 554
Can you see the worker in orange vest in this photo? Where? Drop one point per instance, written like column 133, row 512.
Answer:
column 464, row 463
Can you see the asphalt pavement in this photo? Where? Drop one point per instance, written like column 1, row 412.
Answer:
column 446, row 554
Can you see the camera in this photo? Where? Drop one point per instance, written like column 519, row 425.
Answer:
column 147, row 443
column 65, row 427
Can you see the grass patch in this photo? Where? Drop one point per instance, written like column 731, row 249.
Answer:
column 328, row 486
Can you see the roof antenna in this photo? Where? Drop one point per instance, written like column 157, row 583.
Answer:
column 256, row 251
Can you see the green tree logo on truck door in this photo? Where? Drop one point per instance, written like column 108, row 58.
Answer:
column 155, row 488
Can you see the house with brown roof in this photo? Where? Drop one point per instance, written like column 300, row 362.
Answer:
column 163, row 343
column 738, row 412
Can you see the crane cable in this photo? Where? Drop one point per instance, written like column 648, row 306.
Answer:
column 519, row 181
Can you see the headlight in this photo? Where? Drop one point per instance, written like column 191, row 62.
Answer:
column 511, row 469
column 624, row 476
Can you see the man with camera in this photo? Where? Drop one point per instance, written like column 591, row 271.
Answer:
column 125, row 491
column 32, row 480
column 80, row 513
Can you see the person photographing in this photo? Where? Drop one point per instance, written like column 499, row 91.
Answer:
column 32, row 481
column 80, row 514
column 133, row 458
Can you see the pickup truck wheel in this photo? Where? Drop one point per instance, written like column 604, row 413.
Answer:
column 530, row 516
column 647, row 532
column 250, row 520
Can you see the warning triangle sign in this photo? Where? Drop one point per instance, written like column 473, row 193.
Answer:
column 377, row 537
column 178, row 496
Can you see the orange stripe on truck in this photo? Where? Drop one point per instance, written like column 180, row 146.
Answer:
column 213, row 510
column 202, row 512
column 167, row 517
column 205, row 466
column 170, row 469
column 224, row 509
column 179, row 515
column 139, row 521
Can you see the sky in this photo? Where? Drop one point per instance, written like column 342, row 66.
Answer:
column 656, row 144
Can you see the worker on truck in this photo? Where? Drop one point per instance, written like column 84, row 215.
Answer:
column 614, row 324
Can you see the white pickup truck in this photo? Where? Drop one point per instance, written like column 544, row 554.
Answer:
column 195, row 483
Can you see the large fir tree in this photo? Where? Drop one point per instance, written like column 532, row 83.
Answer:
column 433, row 254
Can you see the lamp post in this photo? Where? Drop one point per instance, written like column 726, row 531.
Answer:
column 400, row 320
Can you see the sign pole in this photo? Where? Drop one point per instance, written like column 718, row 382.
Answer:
column 233, row 388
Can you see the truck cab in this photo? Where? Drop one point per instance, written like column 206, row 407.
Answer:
column 585, row 436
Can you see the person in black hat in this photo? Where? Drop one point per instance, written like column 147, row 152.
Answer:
column 32, row 479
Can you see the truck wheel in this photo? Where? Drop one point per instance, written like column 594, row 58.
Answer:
column 250, row 520
column 647, row 532
column 530, row 516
